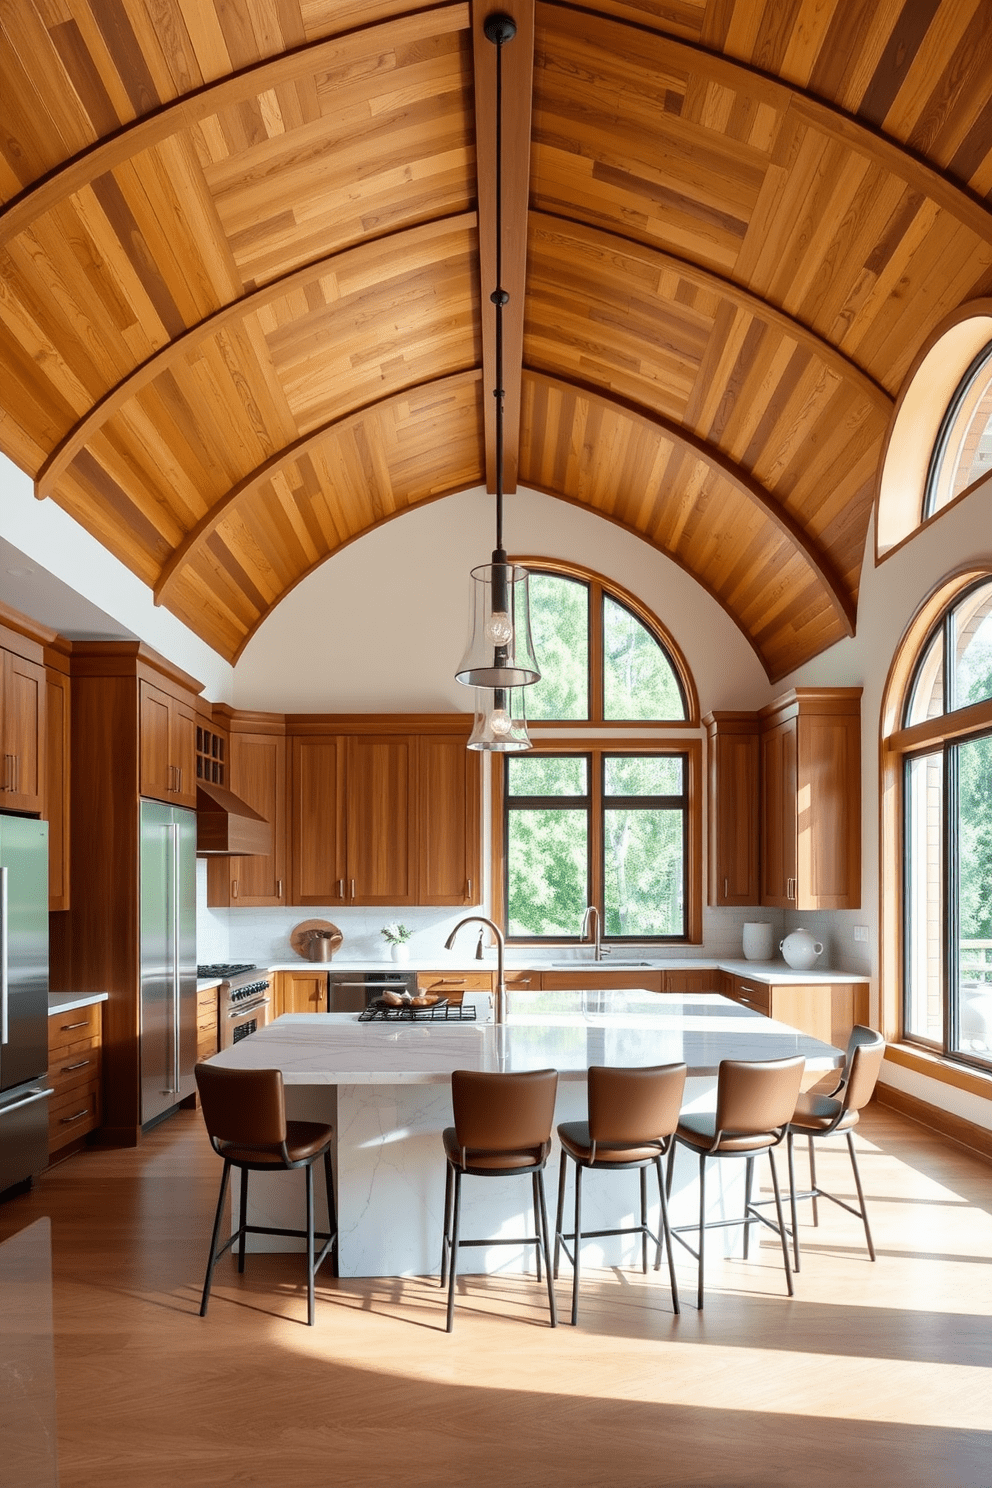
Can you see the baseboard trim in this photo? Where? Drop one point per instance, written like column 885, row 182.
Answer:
column 974, row 1139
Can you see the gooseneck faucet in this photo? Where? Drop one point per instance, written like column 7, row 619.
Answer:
column 591, row 910
column 500, row 983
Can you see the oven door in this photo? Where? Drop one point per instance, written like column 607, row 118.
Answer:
column 241, row 1019
column 352, row 991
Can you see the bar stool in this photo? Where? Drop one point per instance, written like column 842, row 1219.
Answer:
column 502, row 1129
column 245, row 1116
column 633, row 1114
column 821, row 1115
column 755, row 1101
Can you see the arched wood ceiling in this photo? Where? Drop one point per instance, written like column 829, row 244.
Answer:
column 240, row 310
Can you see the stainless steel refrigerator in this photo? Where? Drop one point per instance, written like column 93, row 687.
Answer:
column 23, row 998
column 168, row 957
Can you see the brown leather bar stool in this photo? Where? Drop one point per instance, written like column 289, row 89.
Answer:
column 502, row 1129
column 245, row 1116
column 633, row 1114
column 822, row 1115
column 755, row 1101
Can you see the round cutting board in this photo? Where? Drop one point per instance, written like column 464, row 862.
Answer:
column 300, row 938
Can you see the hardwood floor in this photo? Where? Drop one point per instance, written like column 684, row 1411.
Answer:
column 872, row 1375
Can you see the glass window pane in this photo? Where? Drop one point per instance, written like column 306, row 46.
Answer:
column 973, row 1031
column 559, row 625
column 643, row 775
column 927, row 698
column 638, row 680
column 644, row 872
column 924, row 896
column 547, row 859
column 548, row 775
column 973, row 648
column 964, row 452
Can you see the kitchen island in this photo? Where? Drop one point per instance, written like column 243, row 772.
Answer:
column 385, row 1087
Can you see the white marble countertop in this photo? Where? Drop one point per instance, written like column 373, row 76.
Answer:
column 66, row 1002
column 774, row 972
column 564, row 1031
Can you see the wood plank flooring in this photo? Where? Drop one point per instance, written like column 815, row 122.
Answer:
column 873, row 1374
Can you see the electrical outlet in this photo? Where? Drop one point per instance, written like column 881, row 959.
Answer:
column 861, row 932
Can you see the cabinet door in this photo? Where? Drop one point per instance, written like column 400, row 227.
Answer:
column 594, row 981
column 381, row 822
column 258, row 776
column 57, row 788
column 779, row 802
column 735, row 825
column 22, row 777
column 318, row 870
column 300, row 992
column 155, row 771
column 688, row 982
column 450, row 862
column 182, row 753
column 829, row 824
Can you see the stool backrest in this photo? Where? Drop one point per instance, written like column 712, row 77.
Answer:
column 628, row 1107
column 504, row 1113
column 243, row 1107
column 756, row 1096
column 865, row 1052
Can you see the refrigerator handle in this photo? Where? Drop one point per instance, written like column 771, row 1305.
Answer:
column 4, row 980
column 176, row 989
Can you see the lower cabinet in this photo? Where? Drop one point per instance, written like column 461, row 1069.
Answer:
column 454, row 984
column 299, row 992
column 824, row 1010
column 597, row 980
column 691, row 981
column 207, row 1035
column 74, row 1057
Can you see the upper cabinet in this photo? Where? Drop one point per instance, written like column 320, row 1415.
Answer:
column 57, row 799
column 168, row 752
column 382, row 835
column 734, row 759
column 22, row 728
column 256, row 771
column 811, row 799
column 450, row 816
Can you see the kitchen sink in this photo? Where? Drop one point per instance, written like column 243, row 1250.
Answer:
column 604, row 965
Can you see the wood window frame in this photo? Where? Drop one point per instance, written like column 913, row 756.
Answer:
column 600, row 586
column 595, row 748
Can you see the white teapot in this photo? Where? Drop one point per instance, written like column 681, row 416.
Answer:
column 800, row 949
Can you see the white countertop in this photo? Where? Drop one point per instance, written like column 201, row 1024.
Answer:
column 66, row 1002
column 565, row 1031
column 774, row 972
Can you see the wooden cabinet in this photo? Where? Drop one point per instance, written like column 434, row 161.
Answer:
column 811, row 799
column 57, row 798
column 734, row 816
column 74, row 1069
column 688, row 982
column 826, row 1011
column 207, row 1033
column 382, row 837
column 319, row 868
column 596, row 979
column 256, row 773
column 22, row 731
column 299, row 992
column 450, row 846
column 454, row 984
column 167, row 733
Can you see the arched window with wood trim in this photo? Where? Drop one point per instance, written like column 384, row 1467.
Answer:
column 601, row 821
column 938, row 764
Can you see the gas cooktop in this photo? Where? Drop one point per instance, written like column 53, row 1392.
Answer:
column 225, row 968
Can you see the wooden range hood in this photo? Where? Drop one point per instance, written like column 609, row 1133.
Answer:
column 227, row 827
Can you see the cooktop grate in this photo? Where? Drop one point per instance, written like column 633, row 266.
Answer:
column 441, row 1012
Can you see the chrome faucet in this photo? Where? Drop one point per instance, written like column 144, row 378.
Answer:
column 592, row 909
column 500, row 983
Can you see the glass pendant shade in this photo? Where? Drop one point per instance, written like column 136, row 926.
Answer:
column 500, row 651
column 500, row 721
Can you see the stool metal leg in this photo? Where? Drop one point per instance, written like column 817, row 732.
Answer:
column 644, row 1220
column 667, row 1233
column 560, row 1215
column 702, row 1227
column 792, row 1198
column 311, row 1301
column 225, row 1176
column 547, row 1249
column 781, row 1222
column 812, row 1179
column 537, row 1222
column 861, row 1195
column 445, row 1237
column 577, row 1244
column 453, row 1259
column 243, row 1220
column 748, row 1181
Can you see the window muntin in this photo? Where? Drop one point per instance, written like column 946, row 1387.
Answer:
column 626, row 830
column 962, row 453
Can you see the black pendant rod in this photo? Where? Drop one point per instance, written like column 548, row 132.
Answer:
column 499, row 29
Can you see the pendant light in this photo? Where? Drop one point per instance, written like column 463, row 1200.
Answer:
column 500, row 721
column 500, row 655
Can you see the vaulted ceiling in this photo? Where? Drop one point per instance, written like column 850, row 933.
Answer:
column 241, row 320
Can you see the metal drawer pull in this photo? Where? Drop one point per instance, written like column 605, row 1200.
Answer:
column 81, row 1065
column 84, row 1112
column 67, row 1026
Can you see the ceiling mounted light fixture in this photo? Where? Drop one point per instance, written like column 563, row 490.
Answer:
column 500, row 721
column 500, row 655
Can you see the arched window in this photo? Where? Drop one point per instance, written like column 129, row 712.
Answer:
column 962, row 453
column 601, row 821
column 943, row 756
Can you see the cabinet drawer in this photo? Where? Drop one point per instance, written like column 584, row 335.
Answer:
column 754, row 995
column 65, row 1029
column 72, row 1114
column 524, row 981
column 77, row 1065
column 469, row 981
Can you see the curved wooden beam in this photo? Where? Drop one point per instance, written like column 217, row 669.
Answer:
column 151, row 129
column 840, row 600
column 62, row 456
column 208, row 523
column 712, row 282
column 885, row 151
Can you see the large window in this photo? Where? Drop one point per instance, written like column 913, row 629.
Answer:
column 617, row 825
column 946, row 743
column 962, row 453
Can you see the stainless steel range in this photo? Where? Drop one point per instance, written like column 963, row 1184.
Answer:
column 244, row 999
